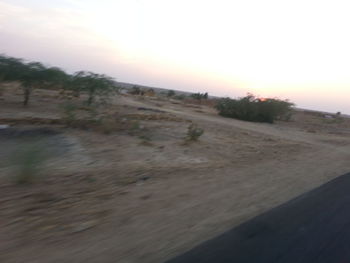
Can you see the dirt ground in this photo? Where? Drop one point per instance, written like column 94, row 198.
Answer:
column 141, row 193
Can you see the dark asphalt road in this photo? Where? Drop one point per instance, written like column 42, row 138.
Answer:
column 314, row 227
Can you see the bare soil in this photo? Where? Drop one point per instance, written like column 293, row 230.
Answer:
column 142, row 193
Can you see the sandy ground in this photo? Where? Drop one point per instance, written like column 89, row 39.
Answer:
column 142, row 194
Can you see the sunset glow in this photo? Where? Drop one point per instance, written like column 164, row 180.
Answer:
column 290, row 49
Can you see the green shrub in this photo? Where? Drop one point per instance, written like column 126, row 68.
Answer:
column 28, row 161
column 69, row 112
column 251, row 108
column 171, row 93
column 92, row 112
column 135, row 90
column 180, row 97
column 194, row 132
column 135, row 125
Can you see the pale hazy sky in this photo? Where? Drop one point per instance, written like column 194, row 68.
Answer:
column 297, row 49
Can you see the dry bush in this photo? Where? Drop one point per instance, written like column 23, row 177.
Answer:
column 107, row 125
column 194, row 132
column 146, row 140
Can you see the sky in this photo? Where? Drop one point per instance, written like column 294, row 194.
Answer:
column 290, row 49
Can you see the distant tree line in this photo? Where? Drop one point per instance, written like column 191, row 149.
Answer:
column 196, row 96
column 33, row 75
column 137, row 90
column 200, row 96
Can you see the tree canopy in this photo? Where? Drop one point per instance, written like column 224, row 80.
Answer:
column 37, row 75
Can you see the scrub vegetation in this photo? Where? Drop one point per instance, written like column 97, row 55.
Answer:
column 251, row 108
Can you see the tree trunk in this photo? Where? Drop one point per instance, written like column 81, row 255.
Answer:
column 27, row 91
column 91, row 98
column 76, row 93
column 1, row 85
